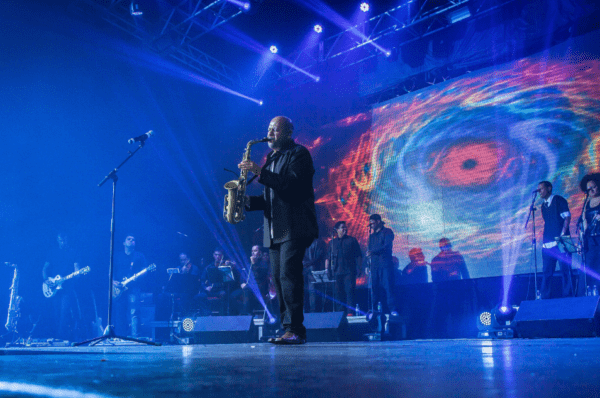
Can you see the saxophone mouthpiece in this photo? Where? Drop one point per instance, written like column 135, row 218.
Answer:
column 266, row 139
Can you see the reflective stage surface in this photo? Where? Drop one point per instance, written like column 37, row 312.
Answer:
column 422, row 368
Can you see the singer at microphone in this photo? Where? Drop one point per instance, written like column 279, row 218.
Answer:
column 142, row 138
column 557, row 219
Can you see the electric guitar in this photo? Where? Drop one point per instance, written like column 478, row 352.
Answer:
column 51, row 285
column 118, row 290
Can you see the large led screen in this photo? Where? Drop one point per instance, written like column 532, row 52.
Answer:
column 461, row 159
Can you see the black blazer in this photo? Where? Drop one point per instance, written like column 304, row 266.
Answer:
column 293, row 215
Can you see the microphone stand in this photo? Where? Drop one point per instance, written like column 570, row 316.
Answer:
column 109, row 332
column 370, row 303
column 581, row 233
column 334, row 303
column 531, row 215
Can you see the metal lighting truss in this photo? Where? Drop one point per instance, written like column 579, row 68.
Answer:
column 347, row 48
column 177, row 32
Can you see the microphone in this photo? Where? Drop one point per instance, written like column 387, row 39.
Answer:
column 535, row 191
column 140, row 138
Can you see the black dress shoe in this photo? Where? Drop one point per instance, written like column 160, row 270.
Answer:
column 290, row 338
column 275, row 340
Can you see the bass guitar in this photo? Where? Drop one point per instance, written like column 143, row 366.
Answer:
column 51, row 285
column 122, row 286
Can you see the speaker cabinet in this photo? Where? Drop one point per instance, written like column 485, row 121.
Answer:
column 222, row 329
column 326, row 326
column 566, row 317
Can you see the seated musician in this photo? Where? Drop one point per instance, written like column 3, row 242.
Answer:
column 217, row 282
column 186, row 266
column 179, row 290
column 256, row 282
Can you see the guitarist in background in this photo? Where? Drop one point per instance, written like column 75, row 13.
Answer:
column 62, row 260
column 125, row 308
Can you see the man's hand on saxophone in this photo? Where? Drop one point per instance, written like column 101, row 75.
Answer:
column 250, row 166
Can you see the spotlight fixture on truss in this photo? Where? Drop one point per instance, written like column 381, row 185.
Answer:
column 134, row 9
column 273, row 49
column 244, row 5
column 318, row 28
column 364, row 7
column 457, row 15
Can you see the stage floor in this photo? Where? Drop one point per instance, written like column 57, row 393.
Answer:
column 419, row 368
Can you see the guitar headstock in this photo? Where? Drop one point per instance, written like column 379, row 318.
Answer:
column 85, row 270
column 151, row 267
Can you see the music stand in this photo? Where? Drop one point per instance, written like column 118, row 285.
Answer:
column 322, row 277
column 109, row 332
column 182, row 286
column 228, row 277
column 566, row 245
column 227, row 273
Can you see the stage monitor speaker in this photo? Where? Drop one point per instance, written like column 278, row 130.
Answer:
column 566, row 317
column 326, row 326
column 222, row 329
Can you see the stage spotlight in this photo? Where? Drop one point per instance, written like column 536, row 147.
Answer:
column 364, row 7
column 458, row 15
column 260, row 102
column 485, row 319
column 505, row 314
column 273, row 49
column 318, row 79
column 241, row 4
column 188, row 325
column 498, row 323
column 318, row 28
column 134, row 9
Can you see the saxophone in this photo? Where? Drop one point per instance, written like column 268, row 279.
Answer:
column 13, row 308
column 235, row 200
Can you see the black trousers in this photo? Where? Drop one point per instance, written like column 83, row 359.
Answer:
column 344, row 292
column 549, row 259
column 382, row 281
column 286, row 267
column 592, row 260
column 126, row 314
column 64, row 305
